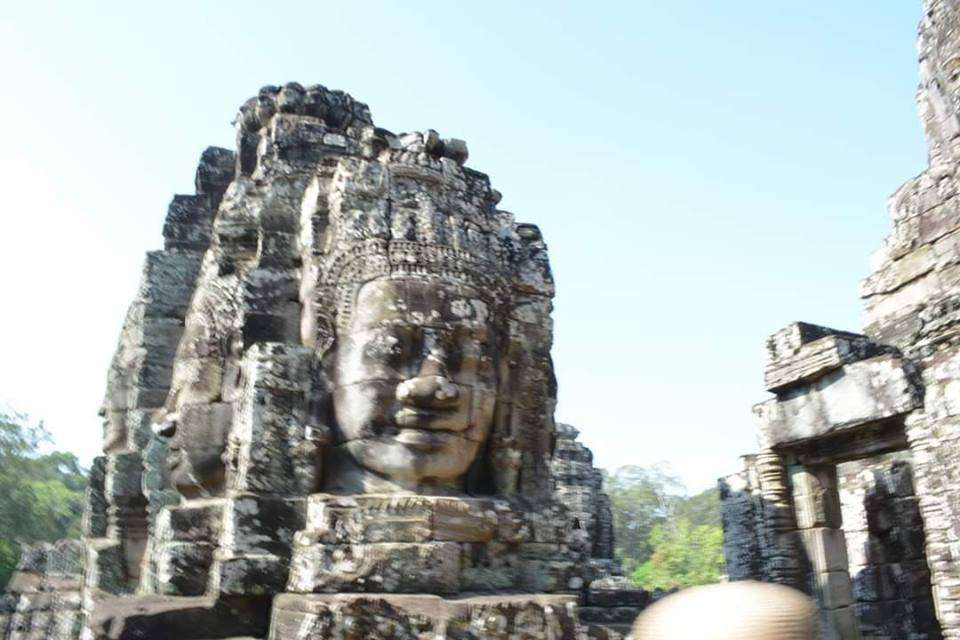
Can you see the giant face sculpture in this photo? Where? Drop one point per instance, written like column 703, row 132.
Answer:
column 414, row 382
column 197, row 437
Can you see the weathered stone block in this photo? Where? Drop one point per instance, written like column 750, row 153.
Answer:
column 616, row 591
column 123, row 476
column 191, row 522
column 826, row 548
column 188, row 223
column 815, row 496
column 261, row 525
column 105, row 566
column 183, row 568
column 839, row 624
column 834, row 589
column 250, row 575
column 180, row 617
column 95, row 508
column 897, row 273
column 340, row 519
column 859, row 393
column 609, row 615
column 430, row 567
column 868, row 584
column 355, row 617
column 548, row 576
column 300, row 140
column 215, row 170
column 391, row 518
column 803, row 352
column 168, row 282
column 459, row 520
column 491, row 566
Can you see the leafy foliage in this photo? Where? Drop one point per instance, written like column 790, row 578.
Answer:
column 664, row 538
column 640, row 499
column 41, row 494
column 684, row 555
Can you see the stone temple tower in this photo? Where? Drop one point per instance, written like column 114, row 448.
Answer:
column 855, row 492
column 330, row 412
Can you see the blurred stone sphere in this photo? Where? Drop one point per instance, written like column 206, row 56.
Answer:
column 730, row 611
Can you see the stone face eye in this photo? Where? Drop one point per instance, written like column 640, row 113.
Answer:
column 384, row 347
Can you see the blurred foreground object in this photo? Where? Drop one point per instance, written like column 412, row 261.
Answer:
column 731, row 611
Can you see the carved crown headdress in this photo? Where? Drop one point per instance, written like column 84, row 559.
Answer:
column 415, row 212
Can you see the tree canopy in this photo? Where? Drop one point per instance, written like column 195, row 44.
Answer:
column 664, row 538
column 41, row 493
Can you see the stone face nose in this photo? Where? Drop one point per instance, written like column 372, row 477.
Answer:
column 435, row 391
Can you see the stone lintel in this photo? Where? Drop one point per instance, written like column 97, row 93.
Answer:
column 875, row 438
column 803, row 352
column 858, row 393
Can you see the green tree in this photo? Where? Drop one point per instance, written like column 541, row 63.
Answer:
column 41, row 494
column 640, row 498
column 684, row 555
column 701, row 508
column 664, row 538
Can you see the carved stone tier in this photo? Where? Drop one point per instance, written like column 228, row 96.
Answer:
column 359, row 617
column 430, row 544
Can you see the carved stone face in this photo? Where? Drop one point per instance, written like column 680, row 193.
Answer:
column 197, row 439
column 414, row 385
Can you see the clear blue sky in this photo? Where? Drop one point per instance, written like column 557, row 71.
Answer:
column 704, row 173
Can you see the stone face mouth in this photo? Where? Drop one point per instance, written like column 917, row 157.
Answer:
column 424, row 439
column 426, row 429
column 429, row 419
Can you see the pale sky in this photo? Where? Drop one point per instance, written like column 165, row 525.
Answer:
column 704, row 172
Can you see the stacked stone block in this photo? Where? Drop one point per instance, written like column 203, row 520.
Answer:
column 579, row 487
column 820, row 528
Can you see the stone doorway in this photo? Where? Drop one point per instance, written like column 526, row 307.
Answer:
column 883, row 528
column 862, row 537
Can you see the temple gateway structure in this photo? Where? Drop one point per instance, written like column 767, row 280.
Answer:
column 854, row 495
column 330, row 413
